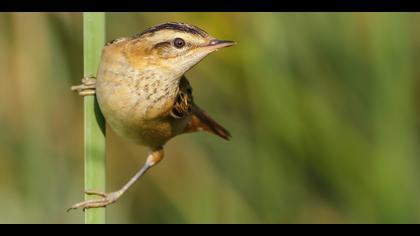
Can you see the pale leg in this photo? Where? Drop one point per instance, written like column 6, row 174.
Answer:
column 109, row 198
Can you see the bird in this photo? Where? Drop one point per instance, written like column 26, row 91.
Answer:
column 144, row 95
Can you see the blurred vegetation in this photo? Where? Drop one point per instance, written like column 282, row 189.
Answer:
column 323, row 109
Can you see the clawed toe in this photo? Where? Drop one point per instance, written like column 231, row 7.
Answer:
column 105, row 200
column 87, row 87
column 97, row 193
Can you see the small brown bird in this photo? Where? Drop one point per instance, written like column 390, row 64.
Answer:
column 143, row 93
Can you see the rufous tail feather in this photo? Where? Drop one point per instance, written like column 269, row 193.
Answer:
column 200, row 120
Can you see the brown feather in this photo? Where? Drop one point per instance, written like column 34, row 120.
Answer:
column 200, row 120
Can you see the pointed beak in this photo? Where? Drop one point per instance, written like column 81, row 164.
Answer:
column 216, row 44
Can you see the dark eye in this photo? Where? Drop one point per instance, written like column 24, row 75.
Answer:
column 179, row 43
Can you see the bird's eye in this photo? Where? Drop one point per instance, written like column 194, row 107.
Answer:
column 179, row 43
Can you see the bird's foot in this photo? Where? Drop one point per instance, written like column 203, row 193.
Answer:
column 87, row 87
column 105, row 200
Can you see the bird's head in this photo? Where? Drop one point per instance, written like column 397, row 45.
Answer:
column 176, row 47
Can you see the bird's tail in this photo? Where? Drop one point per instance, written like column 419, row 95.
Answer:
column 200, row 120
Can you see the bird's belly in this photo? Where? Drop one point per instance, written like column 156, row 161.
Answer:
column 134, row 116
column 154, row 133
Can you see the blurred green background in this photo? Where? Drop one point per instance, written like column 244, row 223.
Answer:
column 323, row 109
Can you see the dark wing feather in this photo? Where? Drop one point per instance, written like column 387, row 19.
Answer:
column 200, row 120
column 183, row 101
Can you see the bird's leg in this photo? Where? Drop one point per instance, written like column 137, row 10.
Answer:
column 87, row 87
column 108, row 198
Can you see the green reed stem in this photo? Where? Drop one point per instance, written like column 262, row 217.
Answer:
column 95, row 161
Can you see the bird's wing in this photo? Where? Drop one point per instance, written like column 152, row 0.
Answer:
column 184, row 100
column 200, row 120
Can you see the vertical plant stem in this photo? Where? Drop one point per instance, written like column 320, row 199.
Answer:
column 95, row 162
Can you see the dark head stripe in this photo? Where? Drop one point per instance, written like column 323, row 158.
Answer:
column 175, row 26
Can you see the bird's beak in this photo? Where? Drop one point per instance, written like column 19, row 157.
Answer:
column 216, row 44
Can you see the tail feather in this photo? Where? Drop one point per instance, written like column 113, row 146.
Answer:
column 202, row 121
